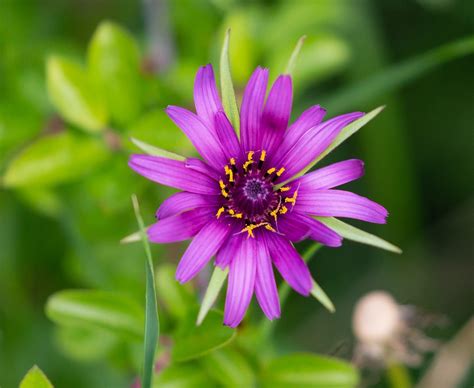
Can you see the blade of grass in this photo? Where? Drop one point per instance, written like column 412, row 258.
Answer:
column 152, row 324
column 227, row 88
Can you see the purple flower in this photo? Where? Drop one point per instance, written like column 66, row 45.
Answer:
column 241, row 203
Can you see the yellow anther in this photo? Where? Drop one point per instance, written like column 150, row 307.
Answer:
column 231, row 212
column 263, row 155
column 220, row 211
column 222, row 184
column 247, row 164
column 283, row 209
column 290, row 200
column 274, row 213
column 269, row 227
column 285, row 188
column 281, row 171
column 232, row 161
column 224, row 193
column 250, row 156
column 238, row 215
column 229, row 172
column 271, row 170
column 249, row 229
column 293, row 198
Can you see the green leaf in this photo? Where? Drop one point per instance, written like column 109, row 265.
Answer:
column 227, row 88
column 229, row 367
column 74, row 95
column 155, row 151
column 321, row 296
column 308, row 370
column 290, row 67
column 55, row 159
column 398, row 75
column 114, row 312
column 152, row 324
column 114, row 65
column 177, row 298
column 193, row 341
column 43, row 200
column 215, row 284
column 182, row 376
column 352, row 233
column 35, row 378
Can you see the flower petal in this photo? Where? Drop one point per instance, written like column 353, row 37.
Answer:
column 340, row 203
column 201, row 166
column 180, row 202
column 206, row 97
column 312, row 144
column 297, row 227
column 241, row 284
column 179, row 227
column 173, row 173
column 276, row 113
column 265, row 285
column 252, row 108
column 228, row 251
column 205, row 245
column 227, row 136
column 202, row 137
column 331, row 176
column 289, row 263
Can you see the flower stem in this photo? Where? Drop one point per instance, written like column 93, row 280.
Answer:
column 398, row 376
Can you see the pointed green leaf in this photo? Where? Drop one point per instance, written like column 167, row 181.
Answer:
column 114, row 65
column 152, row 324
column 352, row 233
column 229, row 367
column 191, row 341
column 155, row 151
column 102, row 309
column 301, row 370
column 215, row 284
column 320, row 295
column 74, row 95
column 35, row 378
column 131, row 238
column 227, row 88
column 294, row 56
column 55, row 159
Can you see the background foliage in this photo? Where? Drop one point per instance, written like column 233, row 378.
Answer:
column 65, row 188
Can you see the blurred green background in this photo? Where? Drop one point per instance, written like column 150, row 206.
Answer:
column 65, row 192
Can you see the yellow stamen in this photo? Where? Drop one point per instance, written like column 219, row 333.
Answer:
column 269, row 227
column 224, row 193
column 283, row 209
column 246, row 164
column 232, row 161
column 229, row 172
column 238, row 215
column 293, row 198
column 285, row 188
column 220, row 211
column 271, row 170
column 249, row 229
column 250, row 156
column 281, row 171
column 221, row 184
column 263, row 155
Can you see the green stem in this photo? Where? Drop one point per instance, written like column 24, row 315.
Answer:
column 398, row 376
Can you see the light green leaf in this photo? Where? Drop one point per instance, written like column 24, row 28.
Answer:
column 114, row 65
column 55, row 159
column 229, row 367
column 182, row 376
column 215, row 284
column 227, row 88
column 193, row 341
column 35, row 378
column 131, row 238
column 398, row 75
column 176, row 298
column 352, row 233
column 155, row 151
column 43, row 200
column 74, row 95
column 308, row 370
column 114, row 312
column 290, row 67
column 152, row 323
column 321, row 296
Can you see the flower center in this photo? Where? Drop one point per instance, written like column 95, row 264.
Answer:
column 250, row 196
